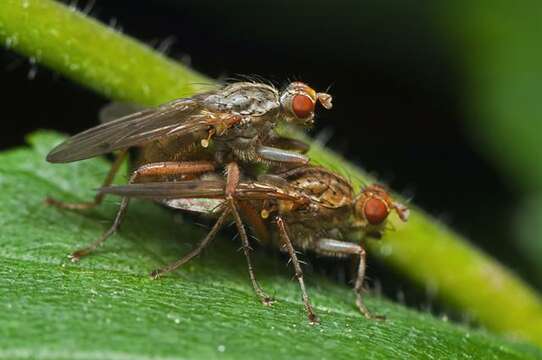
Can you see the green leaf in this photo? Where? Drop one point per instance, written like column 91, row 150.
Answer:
column 107, row 307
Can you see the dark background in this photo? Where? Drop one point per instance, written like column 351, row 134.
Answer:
column 399, row 107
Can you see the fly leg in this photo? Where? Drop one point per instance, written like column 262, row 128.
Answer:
column 283, row 232
column 232, row 180
column 284, row 157
column 286, row 143
column 120, row 157
column 152, row 169
column 210, row 236
column 254, row 218
column 344, row 248
column 78, row 254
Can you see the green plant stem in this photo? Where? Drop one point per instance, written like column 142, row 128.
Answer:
column 424, row 249
column 94, row 55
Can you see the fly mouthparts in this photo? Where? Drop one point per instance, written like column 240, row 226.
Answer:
column 325, row 99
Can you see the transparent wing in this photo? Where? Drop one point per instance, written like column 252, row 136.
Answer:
column 178, row 117
column 211, row 189
column 196, row 205
column 169, row 190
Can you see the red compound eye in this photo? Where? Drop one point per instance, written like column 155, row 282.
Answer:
column 375, row 211
column 302, row 106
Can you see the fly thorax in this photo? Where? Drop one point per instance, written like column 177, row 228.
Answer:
column 245, row 99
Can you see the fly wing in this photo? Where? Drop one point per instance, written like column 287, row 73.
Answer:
column 178, row 117
column 197, row 205
column 169, row 190
column 191, row 189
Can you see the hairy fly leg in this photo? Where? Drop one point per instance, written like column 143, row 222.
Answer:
column 232, row 180
column 283, row 232
column 284, row 157
column 346, row 248
column 288, row 144
column 119, row 159
column 202, row 245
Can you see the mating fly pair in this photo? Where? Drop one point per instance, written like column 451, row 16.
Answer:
column 182, row 143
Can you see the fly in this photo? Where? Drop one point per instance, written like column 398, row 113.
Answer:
column 307, row 208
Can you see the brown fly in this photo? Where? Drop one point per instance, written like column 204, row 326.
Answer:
column 308, row 208
column 239, row 118
column 190, row 136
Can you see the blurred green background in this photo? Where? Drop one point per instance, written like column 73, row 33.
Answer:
column 439, row 99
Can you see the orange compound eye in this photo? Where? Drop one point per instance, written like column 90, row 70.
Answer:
column 302, row 106
column 375, row 211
